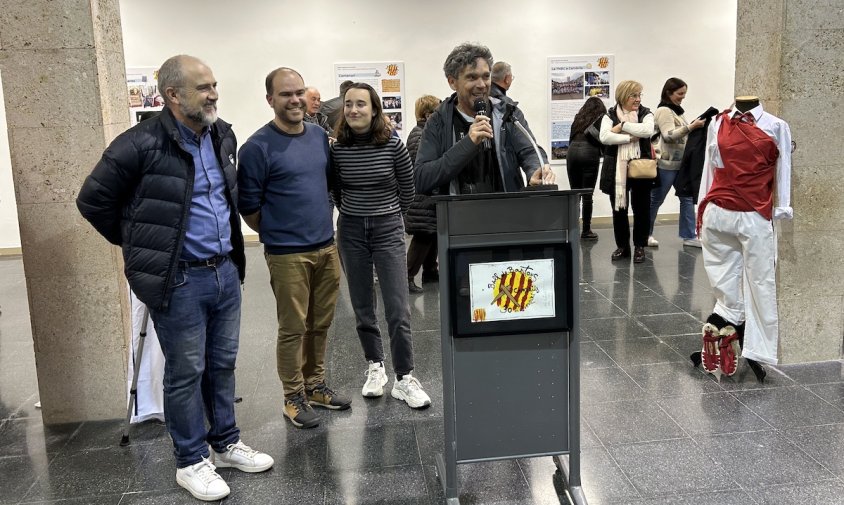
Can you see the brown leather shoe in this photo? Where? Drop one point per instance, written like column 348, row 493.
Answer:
column 620, row 254
column 638, row 255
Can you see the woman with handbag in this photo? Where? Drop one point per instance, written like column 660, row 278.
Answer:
column 673, row 130
column 584, row 156
column 629, row 170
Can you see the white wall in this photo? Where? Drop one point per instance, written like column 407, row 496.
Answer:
column 9, row 231
column 243, row 41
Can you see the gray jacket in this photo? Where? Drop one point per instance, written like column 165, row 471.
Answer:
column 440, row 159
column 332, row 109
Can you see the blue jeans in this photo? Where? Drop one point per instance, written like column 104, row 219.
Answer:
column 379, row 240
column 687, row 204
column 199, row 334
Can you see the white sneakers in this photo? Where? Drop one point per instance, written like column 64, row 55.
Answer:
column 376, row 379
column 408, row 389
column 242, row 457
column 204, row 483
column 689, row 242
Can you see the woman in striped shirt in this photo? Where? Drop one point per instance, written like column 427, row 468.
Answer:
column 374, row 188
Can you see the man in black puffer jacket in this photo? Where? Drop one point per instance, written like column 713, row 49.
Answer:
column 166, row 192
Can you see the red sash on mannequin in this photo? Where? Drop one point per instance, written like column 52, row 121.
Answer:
column 746, row 181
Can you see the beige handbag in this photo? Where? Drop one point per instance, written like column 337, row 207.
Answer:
column 641, row 169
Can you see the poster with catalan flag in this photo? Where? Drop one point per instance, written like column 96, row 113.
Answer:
column 512, row 290
column 387, row 78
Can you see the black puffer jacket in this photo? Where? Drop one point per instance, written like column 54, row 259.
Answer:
column 138, row 197
column 421, row 217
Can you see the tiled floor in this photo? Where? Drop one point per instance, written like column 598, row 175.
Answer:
column 655, row 431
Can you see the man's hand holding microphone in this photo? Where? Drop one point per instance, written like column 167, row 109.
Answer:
column 480, row 132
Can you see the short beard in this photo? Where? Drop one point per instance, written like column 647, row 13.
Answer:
column 199, row 116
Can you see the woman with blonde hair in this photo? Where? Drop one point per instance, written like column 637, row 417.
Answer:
column 627, row 129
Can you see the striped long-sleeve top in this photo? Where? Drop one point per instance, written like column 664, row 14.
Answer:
column 372, row 180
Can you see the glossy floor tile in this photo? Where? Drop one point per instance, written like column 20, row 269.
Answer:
column 655, row 430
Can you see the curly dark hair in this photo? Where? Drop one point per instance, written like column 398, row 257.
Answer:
column 465, row 54
column 588, row 114
column 380, row 126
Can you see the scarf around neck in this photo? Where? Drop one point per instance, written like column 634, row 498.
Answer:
column 676, row 108
column 626, row 152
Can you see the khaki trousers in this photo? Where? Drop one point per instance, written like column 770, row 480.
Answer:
column 305, row 287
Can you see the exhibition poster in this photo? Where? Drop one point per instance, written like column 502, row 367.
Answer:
column 142, row 83
column 571, row 81
column 388, row 80
column 512, row 290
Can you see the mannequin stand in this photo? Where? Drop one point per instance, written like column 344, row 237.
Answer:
column 133, row 391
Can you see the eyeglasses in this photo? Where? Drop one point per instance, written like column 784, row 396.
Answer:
column 637, row 95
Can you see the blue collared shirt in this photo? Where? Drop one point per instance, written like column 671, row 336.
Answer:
column 209, row 230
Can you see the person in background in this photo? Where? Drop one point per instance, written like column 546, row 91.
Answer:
column 165, row 192
column 312, row 113
column 374, row 188
column 673, row 130
column 584, row 156
column 421, row 219
column 283, row 179
column 333, row 108
column 627, row 128
column 502, row 79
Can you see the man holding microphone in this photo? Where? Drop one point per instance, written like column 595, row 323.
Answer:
column 471, row 143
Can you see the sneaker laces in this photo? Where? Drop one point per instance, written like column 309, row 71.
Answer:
column 324, row 389
column 241, row 448
column 412, row 384
column 372, row 374
column 206, row 471
column 299, row 402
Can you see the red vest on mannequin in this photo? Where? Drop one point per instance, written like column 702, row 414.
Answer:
column 746, row 181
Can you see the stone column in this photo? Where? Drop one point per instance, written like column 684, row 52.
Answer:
column 788, row 52
column 63, row 75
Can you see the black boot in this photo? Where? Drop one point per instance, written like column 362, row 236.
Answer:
column 758, row 370
column 412, row 287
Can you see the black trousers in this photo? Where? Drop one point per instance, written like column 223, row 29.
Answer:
column 639, row 198
column 422, row 253
column 582, row 162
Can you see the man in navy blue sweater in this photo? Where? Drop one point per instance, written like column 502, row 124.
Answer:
column 283, row 180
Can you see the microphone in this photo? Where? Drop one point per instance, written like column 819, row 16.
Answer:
column 480, row 108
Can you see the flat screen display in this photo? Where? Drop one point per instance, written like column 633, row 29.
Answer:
column 511, row 289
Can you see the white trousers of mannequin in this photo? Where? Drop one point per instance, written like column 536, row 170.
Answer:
column 739, row 254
